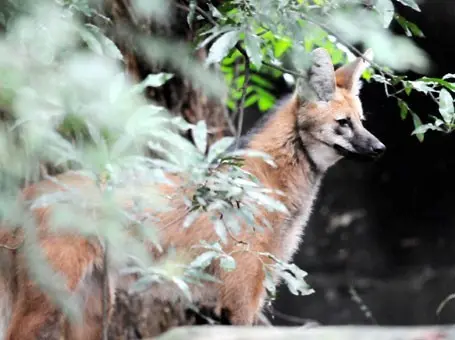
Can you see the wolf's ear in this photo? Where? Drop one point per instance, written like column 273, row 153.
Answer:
column 318, row 84
column 348, row 76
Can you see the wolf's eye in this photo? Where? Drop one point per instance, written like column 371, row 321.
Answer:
column 343, row 122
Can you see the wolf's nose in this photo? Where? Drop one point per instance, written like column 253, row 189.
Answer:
column 378, row 148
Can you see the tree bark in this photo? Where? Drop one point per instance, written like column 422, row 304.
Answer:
column 178, row 95
column 138, row 316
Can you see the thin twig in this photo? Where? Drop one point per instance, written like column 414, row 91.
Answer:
column 240, row 107
column 230, row 123
column 355, row 50
column 444, row 303
column 291, row 318
column 362, row 305
column 106, row 294
column 200, row 11
column 282, row 69
column 433, row 98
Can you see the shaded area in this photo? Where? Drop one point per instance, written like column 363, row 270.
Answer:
column 387, row 228
column 139, row 316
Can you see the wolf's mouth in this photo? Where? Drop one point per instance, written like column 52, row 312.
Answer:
column 355, row 155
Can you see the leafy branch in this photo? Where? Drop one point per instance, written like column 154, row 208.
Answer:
column 249, row 27
column 193, row 7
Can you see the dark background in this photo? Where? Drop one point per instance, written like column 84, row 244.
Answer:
column 386, row 228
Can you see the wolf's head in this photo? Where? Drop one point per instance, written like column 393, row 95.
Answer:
column 329, row 120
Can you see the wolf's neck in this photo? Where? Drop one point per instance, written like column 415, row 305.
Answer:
column 297, row 174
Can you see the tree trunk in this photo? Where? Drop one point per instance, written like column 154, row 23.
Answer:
column 138, row 316
column 178, row 95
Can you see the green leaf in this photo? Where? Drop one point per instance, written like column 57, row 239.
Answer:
column 199, row 133
column 417, row 124
column 257, row 79
column 154, row 80
column 404, row 24
column 214, row 246
column 415, row 30
column 183, row 287
column 215, row 12
column 254, row 153
column 232, row 223
column 192, row 216
column 409, row 27
column 222, row 46
column 424, row 128
column 439, row 81
column 268, row 202
column 204, row 260
column 404, row 109
column 253, row 49
column 227, row 263
column 446, row 108
column 410, row 3
column 110, row 48
column 281, row 46
column 220, row 230
column 407, row 88
column 251, row 100
column 380, row 79
column 99, row 43
column 265, row 103
column 212, row 34
column 219, row 147
column 92, row 42
column 421, row 86
column 269, row 283
column 296, row 282
column 386, row 10
column 141, row 285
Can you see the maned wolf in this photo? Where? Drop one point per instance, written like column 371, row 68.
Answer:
column 319, row 124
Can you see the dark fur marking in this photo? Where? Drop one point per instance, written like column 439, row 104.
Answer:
column 338, row 131
column 301, row 148
column 295, row 141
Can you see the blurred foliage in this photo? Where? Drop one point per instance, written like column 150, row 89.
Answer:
column 67, row 102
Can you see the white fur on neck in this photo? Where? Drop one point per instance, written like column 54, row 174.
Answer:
column 323, row 155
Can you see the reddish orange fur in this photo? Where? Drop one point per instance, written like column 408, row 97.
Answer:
column 242, row 291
